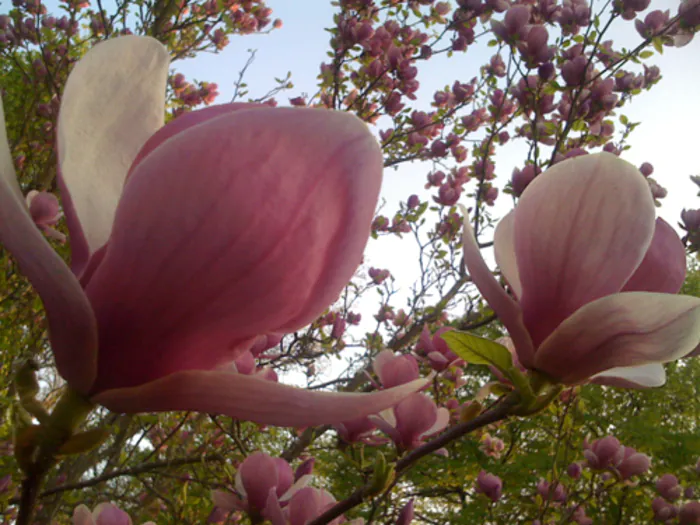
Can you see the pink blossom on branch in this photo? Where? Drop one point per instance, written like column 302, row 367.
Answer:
column 594, row 276
column 104, row 514
column 193, row 241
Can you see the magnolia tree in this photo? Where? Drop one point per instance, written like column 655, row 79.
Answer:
column 171, row 264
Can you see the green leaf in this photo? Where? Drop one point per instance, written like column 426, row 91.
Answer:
column 646, row 54
column 478, row 350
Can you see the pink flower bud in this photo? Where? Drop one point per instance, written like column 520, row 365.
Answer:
column 604, row 453
column 663, row 511
column 338, row 327
column 522, row 178
column 689, row 513
column 405, row 516
column 667, row 486
column 574, row 470
column 549, row 492
column 378, row 276
column 489, row 485
column 634, row 464
column 646, row 169
column 413, row 202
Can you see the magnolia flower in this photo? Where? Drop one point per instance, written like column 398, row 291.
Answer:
column 259, row 479
column 104, row 514
column 593, row 276
column 193, row 241
column 412, row 420
column 268, row 488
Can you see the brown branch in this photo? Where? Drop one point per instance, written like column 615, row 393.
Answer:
column 499, row 412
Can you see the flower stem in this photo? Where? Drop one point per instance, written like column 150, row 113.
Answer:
column 68, row 414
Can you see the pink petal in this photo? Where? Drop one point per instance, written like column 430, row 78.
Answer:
column 383, row 359
column 387, row 427
column 273, row 510
column 642, row 376
column 415, row 415
column 581, row 230
column 441, row 422
column 252, row 399
column 266, row 215
column 227, row 501
column 114, row 100
column 299, row 484
column 308, row 504
column 507, row 310
column 621, row 330
column 394, row 370
column 504, row 251
column 259, row 477
column 71, row 321
column 285, row 475
column 184, row 122
column 109, row 514
column 663, row 267
column 82, row 515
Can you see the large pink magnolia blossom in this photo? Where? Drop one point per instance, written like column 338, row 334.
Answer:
column 193, row 242
column 593, row 276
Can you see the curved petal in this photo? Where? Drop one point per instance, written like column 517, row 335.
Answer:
column 184, row 122
column 664, row 265
column 72, row 328
column 383, row 359
column 385, row 426
column 621, row 330
column 504, row 251
column 251, row 399
column 266, row 215
column 114, row 100
column 82, row 515
column 273, row 510
column 507, row 310
column 227, row 501
column 581, row 230
column 259, row 476
column 642, row 376
column 441, row 422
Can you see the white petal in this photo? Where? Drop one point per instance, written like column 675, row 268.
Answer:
column 642, row 376
column 114, row 100
column 504, row 251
